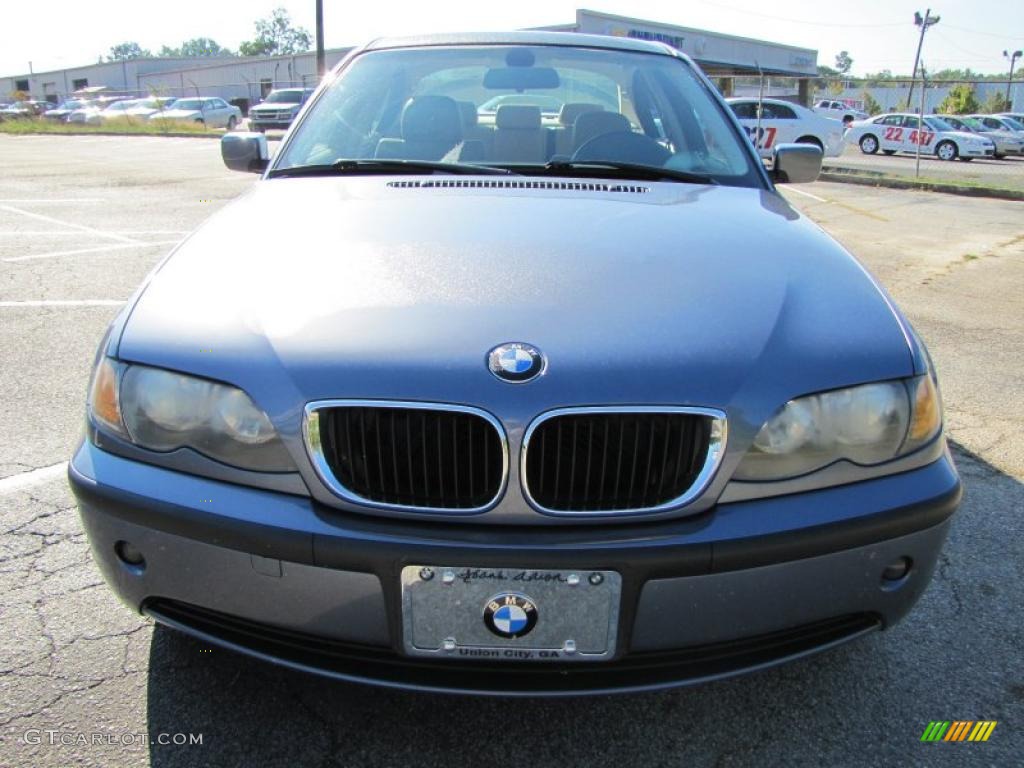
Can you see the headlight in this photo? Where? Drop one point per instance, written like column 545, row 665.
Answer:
column 162, row 411
column 866, row 425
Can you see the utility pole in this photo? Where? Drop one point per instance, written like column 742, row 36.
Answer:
column 920, row 124
column 320, row 65
column 923, row 23
column 1013, row 59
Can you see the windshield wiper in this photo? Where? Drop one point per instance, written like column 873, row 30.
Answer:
column 629, row 170
column 382, row 166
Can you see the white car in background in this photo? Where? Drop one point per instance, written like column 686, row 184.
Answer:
column 1001, row 123
column 839, row 110
column 900, row 132
column 1007, row 142
column 147, row 107
column 211, row 111
column 783, row 122
column 96, row 113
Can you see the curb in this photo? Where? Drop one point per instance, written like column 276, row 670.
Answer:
column 874, row 179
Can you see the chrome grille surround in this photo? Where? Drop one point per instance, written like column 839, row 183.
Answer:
column 315, row 450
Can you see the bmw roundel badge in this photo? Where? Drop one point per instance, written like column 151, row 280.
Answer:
column 510, row 614
column 515, row 362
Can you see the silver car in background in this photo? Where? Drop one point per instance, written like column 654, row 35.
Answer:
column 1006, row 142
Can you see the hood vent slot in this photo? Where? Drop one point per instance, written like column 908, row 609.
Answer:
column 559, row 186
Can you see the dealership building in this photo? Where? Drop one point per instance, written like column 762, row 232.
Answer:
column 723, row 57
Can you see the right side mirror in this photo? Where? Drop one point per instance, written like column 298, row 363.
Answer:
column 245, row 151
column 796, row 163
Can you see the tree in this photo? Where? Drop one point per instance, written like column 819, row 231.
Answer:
column 844, row 62
column 996, row 102
column 130, row 50
column 871, row 105
column 196, row 47
column 275, row 35
column 960, row 101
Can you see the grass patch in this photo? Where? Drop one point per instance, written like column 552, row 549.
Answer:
column 121, row 127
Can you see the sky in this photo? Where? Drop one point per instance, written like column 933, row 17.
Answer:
column 879, row 34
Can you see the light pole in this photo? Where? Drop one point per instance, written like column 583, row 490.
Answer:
column 1013, row 60
column 923, row 22
column 320, row 39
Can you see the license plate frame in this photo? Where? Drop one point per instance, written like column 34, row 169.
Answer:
column 510, row 614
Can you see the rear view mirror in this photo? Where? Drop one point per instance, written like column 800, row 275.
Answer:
column 521, row 78
column 796, row 163
column 245, row 151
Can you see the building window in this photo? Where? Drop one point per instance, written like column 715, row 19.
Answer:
column 21, row 85
column 79, row 82
column 266, row 86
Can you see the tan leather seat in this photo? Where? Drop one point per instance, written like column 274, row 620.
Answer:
column 519, row 137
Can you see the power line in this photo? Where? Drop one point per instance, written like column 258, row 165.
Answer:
column 746, row 12
column 979, row 32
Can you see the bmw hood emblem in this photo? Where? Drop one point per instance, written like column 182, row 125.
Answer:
column 510, row 615
column 515, row 362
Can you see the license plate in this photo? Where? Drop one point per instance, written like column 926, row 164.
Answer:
column 510, row 614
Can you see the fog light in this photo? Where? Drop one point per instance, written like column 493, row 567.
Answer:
column 896, row 570
column 129, row 555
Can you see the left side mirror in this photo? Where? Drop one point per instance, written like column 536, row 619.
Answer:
column 796, row 163
column 245, row 151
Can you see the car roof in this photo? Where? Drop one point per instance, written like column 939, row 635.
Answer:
column 765, row 100
column 528, row 37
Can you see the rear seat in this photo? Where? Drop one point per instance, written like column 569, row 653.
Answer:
column 519, row 137
column 563, row 143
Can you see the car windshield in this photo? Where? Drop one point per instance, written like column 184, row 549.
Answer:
column 284, row 97
column 189, row 104
column 1014, row 124
column 971, row 123
column 430, row 104
column 120, row 106
column 938, row 124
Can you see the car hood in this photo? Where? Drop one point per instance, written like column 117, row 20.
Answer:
column 274, row 107
column 397, row 288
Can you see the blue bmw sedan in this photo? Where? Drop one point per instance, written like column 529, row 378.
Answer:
column 550, row 397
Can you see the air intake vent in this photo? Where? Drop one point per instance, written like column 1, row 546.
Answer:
column 562, row 186
column 414, row 456
column 593, row 460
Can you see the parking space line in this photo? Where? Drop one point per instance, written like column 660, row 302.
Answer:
column 806, row 194
column 81, row 227
column 51, row 200
column 97, row 249
column 64, row 303
column 51, row 233
column 23, row 480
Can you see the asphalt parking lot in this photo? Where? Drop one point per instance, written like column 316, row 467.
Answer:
column 83, row 219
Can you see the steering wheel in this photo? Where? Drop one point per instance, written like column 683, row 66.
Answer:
column 623, row 147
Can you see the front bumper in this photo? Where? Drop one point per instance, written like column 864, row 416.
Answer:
column 744, row 586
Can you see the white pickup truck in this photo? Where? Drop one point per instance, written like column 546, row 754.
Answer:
column 839, row 110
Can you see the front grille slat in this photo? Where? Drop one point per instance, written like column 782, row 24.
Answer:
column 410, row 456
column 604, row 460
